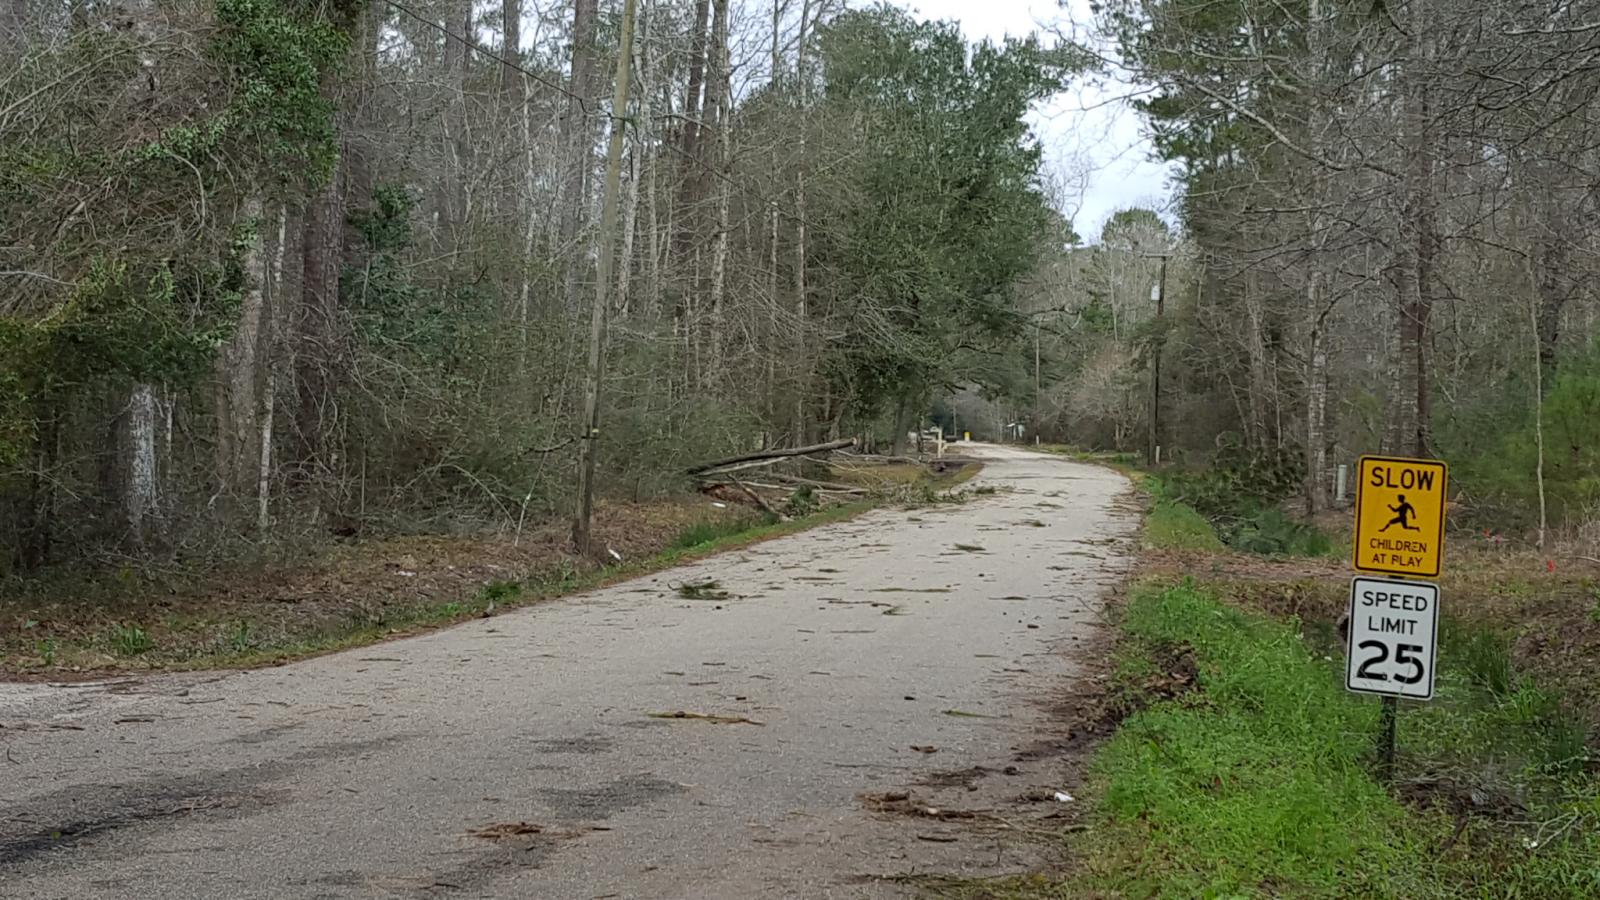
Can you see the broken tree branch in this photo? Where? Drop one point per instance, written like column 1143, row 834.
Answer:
column 764, row 455
column 765, row 506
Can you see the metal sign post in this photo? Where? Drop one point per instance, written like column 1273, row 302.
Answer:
column 1392, row 639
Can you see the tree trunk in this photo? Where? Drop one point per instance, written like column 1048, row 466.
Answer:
column 269, row 356
column 685, row 215
column 802, row 370
column 240, row 359
column 453, row 179
column 141, row 491
column 638, row 161
column 630, row 224
column 39, row 514
column 1256, row 351
column 514, row 94
column 595, row 373
column 898, row 444
column 511, row 83
column 318, row 352
column 1420, row 241
column 719, row 250
column 1316, row 404
column 1555, row 287
column 1316, row 449
column 577, row 142
column 690, row 139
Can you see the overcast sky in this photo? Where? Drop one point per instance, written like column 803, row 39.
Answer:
column 1092, row 126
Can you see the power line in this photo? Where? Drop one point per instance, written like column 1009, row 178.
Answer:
column 583, row 102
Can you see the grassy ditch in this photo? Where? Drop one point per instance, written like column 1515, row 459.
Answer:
column 1242, row 768
column 1245, row 769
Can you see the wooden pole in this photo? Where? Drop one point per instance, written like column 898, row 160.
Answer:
column 581, row 533
column 1155, row 366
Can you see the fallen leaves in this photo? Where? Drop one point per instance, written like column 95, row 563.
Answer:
column 926, row 748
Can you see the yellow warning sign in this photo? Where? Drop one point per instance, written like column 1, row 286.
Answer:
column 1400, row 516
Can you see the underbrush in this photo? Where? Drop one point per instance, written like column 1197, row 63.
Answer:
column 1247, row 519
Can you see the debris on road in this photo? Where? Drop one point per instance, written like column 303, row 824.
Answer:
column 709, row 589
column 706, row 717
column 500, row 830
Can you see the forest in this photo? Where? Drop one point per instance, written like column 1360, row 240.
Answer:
column 277, row 270
column 280, row 271
column 1386, row 244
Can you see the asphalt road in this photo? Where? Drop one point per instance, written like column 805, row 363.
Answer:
column 367, row 773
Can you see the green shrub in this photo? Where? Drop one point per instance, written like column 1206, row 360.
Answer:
column 1238, row 512
column 1271, row 533
column 130, row 640
column 1482, row 654
column 1499, row 475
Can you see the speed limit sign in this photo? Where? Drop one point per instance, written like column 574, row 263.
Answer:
column 1394, row 628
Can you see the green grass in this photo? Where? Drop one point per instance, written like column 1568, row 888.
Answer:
column 707, row 533
column 1176, row 526
column 130, row 640
column 1259, row 779
column 1259, row 783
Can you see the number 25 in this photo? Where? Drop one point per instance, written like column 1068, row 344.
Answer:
column 1404, row 654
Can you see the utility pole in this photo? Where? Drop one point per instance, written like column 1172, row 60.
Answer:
column 1036, row 383
column 602, row 294
column 1153, row 448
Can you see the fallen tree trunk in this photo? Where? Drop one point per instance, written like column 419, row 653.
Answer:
column 877, row 459
column 762, row 456
column 821, row 485
column 821, row 490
